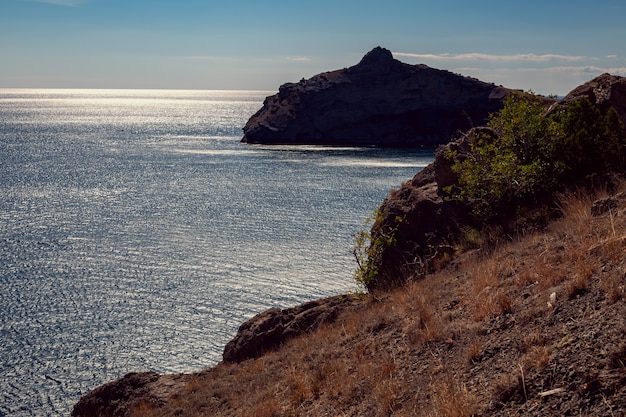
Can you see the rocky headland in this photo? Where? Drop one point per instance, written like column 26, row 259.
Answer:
column 378, row 102
column 521, row 317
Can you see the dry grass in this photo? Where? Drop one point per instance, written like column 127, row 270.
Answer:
column 465, row 341
column 537, row 358
column 473, row 349
column 418, row 311
column 614, row 285
column 142, row 409
column 451, row 398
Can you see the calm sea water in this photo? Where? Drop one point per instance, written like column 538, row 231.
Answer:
column 137, row 233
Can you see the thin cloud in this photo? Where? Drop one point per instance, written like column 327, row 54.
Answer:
column 60, row 2
column 202, row 57
column 587, row 69
column 232, row 58
column 237, row 58
column 495, row 58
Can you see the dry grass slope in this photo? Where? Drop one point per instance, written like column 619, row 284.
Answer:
column 534, row 327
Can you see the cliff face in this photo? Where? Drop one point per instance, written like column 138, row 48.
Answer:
column 378, row 102
column 423, row 223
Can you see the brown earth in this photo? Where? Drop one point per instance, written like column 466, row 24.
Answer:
column 532, row 327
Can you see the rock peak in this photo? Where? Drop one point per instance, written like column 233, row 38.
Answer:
column 376, row 58
column 605, row 91
column 378, row 61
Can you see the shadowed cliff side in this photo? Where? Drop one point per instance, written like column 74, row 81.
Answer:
column 378, row 102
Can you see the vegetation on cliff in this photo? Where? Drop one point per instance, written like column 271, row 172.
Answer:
column 527, row 155
column 495, row 182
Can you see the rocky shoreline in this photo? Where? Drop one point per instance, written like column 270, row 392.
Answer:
column 424, row 237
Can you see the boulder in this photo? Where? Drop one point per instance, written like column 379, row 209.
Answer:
column 116, row 398
column 605, row 91
column 271, row 328
column 378, row 102
column 423, row 223
column 127, row 396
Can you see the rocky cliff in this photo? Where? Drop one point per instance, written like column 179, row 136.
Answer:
column 378, row 102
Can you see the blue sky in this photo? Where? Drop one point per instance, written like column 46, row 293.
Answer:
column 548, row 46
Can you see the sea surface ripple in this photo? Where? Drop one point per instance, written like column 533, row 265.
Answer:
column 137, row 232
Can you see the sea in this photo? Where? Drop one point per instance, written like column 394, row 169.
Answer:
column 137, row 232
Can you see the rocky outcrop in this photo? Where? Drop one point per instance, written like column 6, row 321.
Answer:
column 125, row 396
column 605, row 91
column 273, row 327
column 378, row 102
column 423, row 223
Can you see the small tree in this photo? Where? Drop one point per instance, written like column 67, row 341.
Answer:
column 591, row 144
column 369, row 247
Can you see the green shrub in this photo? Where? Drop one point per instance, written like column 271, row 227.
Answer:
column 527, row 155
column 369, row 248
column 589, row 143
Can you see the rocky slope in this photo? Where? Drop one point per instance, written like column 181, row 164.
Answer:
column 380, row 101
column 532, row 328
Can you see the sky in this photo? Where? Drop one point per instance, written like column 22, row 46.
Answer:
column 547, row 46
